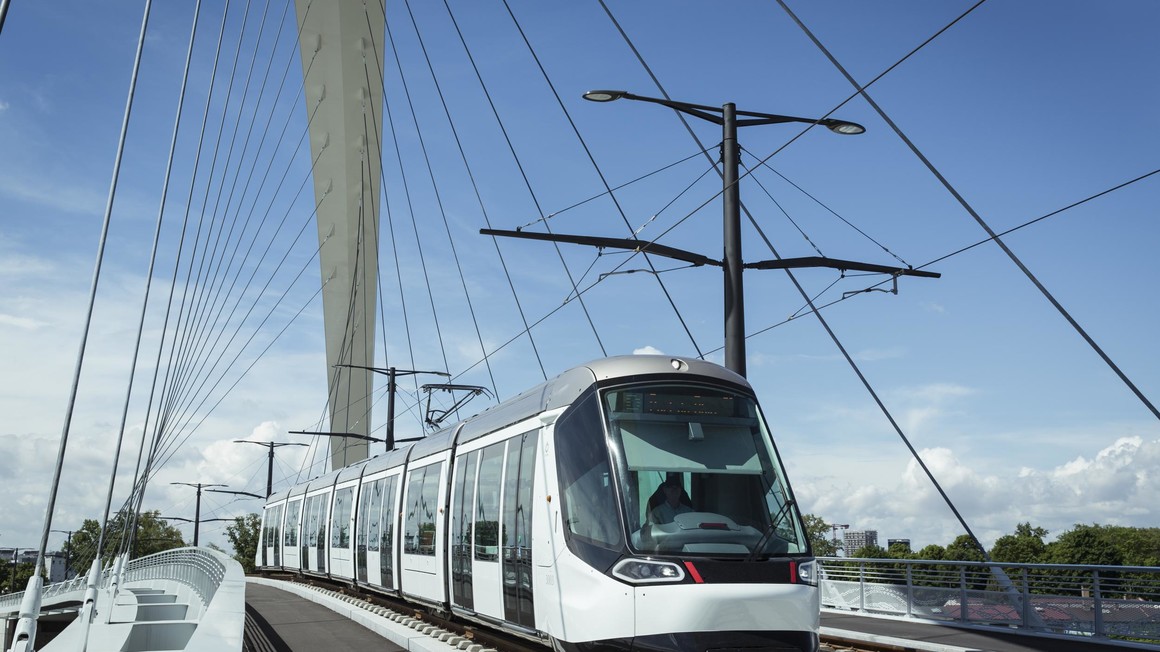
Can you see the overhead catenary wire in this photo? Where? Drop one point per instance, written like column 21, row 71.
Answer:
column 973, row 245
column 603, row 181
column 831, row 211
column 797, row 285
column 1063, row 312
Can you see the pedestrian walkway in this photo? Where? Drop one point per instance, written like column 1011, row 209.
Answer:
column 294, row 624
column 932, row 637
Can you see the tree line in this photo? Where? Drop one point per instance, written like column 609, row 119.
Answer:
column 1087, row 545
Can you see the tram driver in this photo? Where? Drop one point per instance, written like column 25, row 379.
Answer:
column 675, row 502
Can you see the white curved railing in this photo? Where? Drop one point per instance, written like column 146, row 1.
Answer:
column 1107, row 602
column 197, row 568
column 198, row 574
column 10, row 603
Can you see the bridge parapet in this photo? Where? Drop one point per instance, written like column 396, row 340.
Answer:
column 182, row 599
column 1103, row 602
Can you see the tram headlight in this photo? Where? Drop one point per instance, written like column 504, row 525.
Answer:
column 645, row 571
column 807, row 572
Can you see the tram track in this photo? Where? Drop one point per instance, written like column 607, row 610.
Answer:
column 493, row 640
column 489, row 640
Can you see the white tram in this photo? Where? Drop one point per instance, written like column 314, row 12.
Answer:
column 635, row 502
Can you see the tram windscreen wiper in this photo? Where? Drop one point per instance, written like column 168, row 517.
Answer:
column 770, row 529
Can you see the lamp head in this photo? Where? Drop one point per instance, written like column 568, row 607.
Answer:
column 604, row 96
column 843, row 127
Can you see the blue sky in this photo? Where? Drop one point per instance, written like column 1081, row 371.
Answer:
column 1025, row 107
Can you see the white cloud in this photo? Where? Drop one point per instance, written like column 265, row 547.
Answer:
column 647, row 350
column 89, row 202
column 1116, row 486
column 23, row 323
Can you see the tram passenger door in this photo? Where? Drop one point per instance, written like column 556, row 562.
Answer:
column 370, row 524
column 386, row 534
column 487, row 584
column 363, row 523
column 276, row 539
column 501, row 564
column 519, row 477
column 290, row 550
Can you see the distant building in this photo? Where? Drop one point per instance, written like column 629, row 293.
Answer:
column 856, row 539
column 53, row 560
column 903, row 543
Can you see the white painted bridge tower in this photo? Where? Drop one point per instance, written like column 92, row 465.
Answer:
column 341, row 43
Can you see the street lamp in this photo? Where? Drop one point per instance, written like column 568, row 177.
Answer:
column 197, row 509
column 15, row 558
column 732, row 264
column 67, row 550
column 726, row 116
column 270, row 467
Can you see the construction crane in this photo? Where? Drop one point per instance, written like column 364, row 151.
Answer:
column 834, row 528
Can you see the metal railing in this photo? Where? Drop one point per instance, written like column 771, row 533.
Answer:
column 1114, row 602
column 197, row 568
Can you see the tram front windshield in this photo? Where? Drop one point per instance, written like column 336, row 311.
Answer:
column 699, row 474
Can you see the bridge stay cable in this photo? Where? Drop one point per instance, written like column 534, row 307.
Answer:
column 218, row 294
column 407, row 193
column 267, row 251
column 192, row 413
column 24, row 636
column 518, row 161
column 253, row 240
column 861, row 90
column 179, row 333
column 603, row 179
column 200, row 293
column 190, row 394
column 104, row 522
column 789, row 272
column 439, row 200
column 406, row 190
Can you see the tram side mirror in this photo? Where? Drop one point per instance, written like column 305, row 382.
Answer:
column 696, row 432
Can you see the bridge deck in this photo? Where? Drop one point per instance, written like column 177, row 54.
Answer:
column 294, row 624
column 944, row 638
column 290, row 622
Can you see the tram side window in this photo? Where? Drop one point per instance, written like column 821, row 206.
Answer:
column 422, row 507
column 372, row 518
column 360, row 521
column 308, row 523
column 267, row 530
column 487, row 503
column 290, row 538
column 586, row 480
column 340, row 518
column 429, row 510
column 463, row 496
column 387, row 533
column 317, row 524
column 277, row 526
